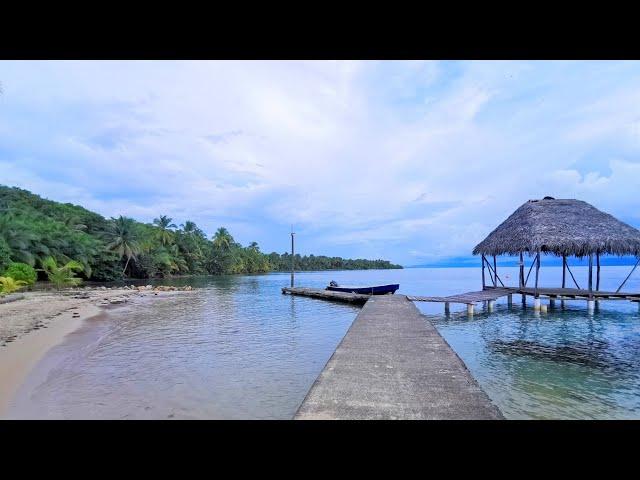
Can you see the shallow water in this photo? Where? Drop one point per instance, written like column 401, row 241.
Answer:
column 237, row 348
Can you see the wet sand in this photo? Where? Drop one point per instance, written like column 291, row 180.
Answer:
column 30, row 327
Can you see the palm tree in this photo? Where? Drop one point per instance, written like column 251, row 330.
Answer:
column 189, row 227
column 62, row 276
column 73, row 222
column 20, row 240
column 123, row 239
column 254, row 246
column 222, row 239
column 164, row 224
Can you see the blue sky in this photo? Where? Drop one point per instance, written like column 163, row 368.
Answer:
column 413, row 161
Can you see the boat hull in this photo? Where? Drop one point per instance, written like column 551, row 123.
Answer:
column 373, row 290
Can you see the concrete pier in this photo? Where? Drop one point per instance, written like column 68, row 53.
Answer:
column 393, row 364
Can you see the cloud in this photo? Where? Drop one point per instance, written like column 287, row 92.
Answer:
column 405, row 160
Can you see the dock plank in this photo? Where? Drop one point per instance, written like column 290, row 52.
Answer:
column 355, row 298
column 468, row 297
column 393, row 364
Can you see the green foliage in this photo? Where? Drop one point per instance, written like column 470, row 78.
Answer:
column 32, row 229
column 5, row 254
column 10, row 285
column 22, row 272
column 62, row 276
column 282, row 263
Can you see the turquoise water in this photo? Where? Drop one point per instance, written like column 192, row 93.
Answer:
column 237, row 348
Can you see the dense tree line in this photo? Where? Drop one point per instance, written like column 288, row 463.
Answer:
column 33, row 229
column 282, row 263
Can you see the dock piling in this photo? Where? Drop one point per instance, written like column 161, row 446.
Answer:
column 536, row 304
column 470, row 308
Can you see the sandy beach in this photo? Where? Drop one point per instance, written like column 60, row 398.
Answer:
column 29, row 327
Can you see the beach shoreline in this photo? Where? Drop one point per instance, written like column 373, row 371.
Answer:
column 32, row 326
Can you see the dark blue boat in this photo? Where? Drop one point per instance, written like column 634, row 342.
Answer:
column 373, row 290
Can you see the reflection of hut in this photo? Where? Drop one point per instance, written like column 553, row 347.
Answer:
column 563, row 228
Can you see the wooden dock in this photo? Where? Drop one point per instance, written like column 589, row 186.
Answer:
column 393, row 364
column 579, row 294
column 355, row 298
column 468, row 297
column 489, row 295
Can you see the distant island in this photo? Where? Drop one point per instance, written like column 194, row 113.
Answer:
column 33, row 228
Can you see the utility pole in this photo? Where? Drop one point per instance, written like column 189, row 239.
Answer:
column 292, row 257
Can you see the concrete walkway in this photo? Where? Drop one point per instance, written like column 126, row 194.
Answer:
column 393, row 364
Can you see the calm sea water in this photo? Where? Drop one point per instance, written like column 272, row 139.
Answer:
column 237, row 348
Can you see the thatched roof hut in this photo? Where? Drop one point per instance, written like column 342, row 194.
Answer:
column 563, row 228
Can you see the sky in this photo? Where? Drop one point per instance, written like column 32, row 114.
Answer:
column 411, row 161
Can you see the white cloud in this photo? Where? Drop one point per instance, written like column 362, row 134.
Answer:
column 405, row 159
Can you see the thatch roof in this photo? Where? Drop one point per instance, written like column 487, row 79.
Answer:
column 561, row 227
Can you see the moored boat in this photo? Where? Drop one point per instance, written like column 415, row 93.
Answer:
column 371, row 290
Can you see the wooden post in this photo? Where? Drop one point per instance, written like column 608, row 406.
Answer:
column 446, row 308
column 598, row 271
column 292, row 258
column 483, row 283
column 521, row 282
column 537, row 273
column 590, row 274
column 564, row 270
column 470, row 308
column 495, row 272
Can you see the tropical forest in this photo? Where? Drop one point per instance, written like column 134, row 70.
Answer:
column 60, row 239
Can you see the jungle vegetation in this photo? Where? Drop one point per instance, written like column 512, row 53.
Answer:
column 44, row 234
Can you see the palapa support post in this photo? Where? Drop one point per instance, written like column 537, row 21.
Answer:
column 564, row 276
column 591, row 304
column 598, row 272
column 495, row 272
column 590, row 275
column 483, row 282
column 537, row 272
column 521, row 280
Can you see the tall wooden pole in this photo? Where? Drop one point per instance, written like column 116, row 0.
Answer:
column 564, row 270
column 598, row 271
column 292, row 258
column 483, row 283
column 495, row 272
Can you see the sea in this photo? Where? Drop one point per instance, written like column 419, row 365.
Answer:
column 237, row 348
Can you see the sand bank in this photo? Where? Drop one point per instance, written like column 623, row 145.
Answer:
column 31, row 326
